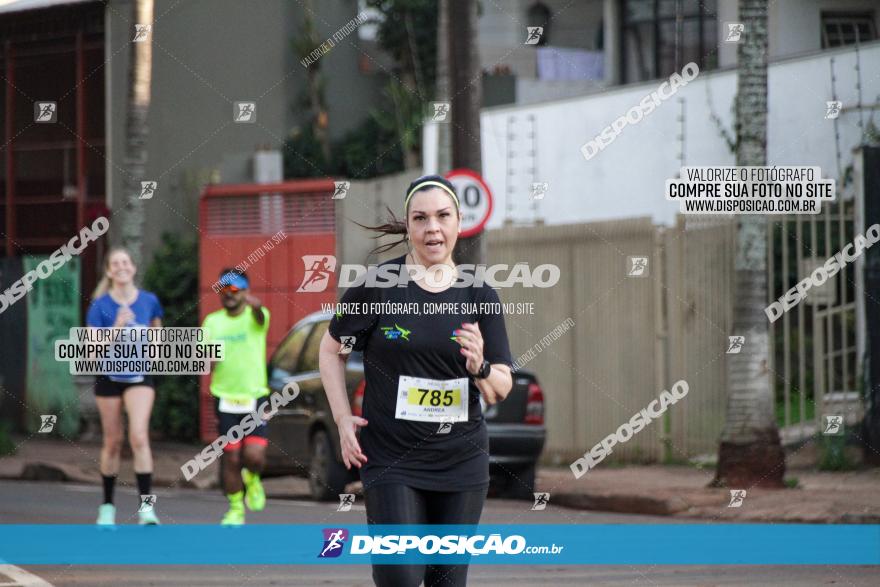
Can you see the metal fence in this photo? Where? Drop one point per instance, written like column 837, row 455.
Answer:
column 814, row 356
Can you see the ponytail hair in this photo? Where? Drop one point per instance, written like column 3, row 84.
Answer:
column 393, row 225
column 105, row 283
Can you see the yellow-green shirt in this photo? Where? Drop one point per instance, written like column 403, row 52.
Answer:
column 242, row 373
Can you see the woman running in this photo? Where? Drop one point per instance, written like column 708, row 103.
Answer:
column 421, row 370
column 118, row 303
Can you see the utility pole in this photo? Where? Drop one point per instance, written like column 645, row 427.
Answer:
column 466, row 91
column 444, row 156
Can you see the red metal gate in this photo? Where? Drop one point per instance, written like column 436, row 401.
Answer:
column 264, row 229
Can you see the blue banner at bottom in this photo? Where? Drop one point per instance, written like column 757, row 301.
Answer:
column 666, row 544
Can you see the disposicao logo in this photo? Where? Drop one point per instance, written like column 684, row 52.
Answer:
column 318, row 269
column 334, row 541
column 396, row 332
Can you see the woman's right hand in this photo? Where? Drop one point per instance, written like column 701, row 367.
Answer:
column 123, row 316
column 351, row 448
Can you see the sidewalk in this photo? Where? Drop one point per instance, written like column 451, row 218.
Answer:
column 679, row 491
column 851, row 497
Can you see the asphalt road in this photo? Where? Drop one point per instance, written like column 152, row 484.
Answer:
column 56, row 503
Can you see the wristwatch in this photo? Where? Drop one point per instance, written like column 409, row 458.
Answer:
column 484, row 370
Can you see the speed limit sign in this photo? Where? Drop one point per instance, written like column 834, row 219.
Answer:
column 474, row 198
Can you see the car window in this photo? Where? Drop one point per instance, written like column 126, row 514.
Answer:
column 286, row 356
column 310, row 353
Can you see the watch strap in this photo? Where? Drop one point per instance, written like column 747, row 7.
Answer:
column 484, row 371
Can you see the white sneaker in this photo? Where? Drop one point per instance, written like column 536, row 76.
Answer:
column 148, row 518
column 106, row 515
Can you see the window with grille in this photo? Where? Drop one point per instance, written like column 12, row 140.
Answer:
column 847, row 28
column 661, row 36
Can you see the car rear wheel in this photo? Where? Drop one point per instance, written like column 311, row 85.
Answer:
column 327, row 477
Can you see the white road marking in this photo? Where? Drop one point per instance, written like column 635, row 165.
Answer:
column 20, row 578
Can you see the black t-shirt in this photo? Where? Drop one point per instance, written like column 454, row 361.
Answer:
column 421, row 345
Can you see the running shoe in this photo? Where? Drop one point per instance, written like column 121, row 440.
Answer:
column 106, row 515
column 148, row 518
column 255, row 496
column 235, row 515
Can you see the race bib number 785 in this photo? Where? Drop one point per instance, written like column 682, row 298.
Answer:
column 432, row 400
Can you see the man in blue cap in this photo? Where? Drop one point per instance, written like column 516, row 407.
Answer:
column 238, row 384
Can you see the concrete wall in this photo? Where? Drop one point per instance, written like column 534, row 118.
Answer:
column 627, row 178
column 207, row 54
column 366, row 203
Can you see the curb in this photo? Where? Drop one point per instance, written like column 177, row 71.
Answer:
column 54, row 471
column 688, row 506
column 622, row 503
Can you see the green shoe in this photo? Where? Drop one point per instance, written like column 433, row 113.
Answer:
column 235, row 515
column 255, row 495
column 106, row 515
column 148, row 518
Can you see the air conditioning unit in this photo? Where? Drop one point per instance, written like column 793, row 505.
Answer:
column 268, row 166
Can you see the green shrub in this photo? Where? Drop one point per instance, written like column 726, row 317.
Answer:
column 832, row 454
column 370, row 150
column 303, row 157
column 173, row 276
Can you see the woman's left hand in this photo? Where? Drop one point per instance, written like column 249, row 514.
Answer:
column 471, row 341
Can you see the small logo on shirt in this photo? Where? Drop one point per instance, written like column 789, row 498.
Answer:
column 396, row 332
column 237, row 337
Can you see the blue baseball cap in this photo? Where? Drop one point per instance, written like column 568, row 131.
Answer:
column 234, row 279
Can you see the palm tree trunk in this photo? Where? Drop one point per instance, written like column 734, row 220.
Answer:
column 320, row 118
column 130, row 216
column 750, row 454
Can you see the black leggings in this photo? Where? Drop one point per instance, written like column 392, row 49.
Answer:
column 400, row 504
